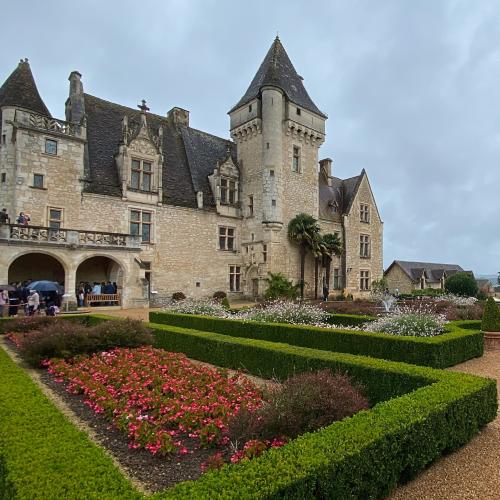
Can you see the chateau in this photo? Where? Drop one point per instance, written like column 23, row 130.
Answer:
column 145, row 200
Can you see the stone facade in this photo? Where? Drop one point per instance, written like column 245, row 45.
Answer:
column 221, row 224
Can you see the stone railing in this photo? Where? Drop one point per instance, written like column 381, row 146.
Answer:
column 40, row 122
column 70, row 237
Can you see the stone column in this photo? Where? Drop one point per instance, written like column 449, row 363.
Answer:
column 69, row 298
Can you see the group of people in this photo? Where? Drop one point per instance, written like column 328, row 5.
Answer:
column 96, row 288
column 21, row 299
column 23, row 219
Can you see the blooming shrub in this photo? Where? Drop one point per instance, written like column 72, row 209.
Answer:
column 410, row 321
column 198, row 306
column 286, row 312
column 161, row 400
column 457, row 300
column 64, row 339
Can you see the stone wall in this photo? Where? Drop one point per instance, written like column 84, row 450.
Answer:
column 398, row 279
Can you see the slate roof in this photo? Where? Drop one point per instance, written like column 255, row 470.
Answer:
column 433, row 271
column 341, row 193
column 20, row 90
column 189, row 154
column 277, row 70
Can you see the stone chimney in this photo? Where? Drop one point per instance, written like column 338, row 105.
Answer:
column 75, row 104
column 325, row 167
column 179, row 116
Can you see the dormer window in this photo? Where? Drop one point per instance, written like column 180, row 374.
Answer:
column 141, row 175
column 227, row 191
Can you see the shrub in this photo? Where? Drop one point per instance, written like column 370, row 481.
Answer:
column 287, row 312
column 412, row 322
column 481, row 295
column 427, row 292
column 461, row 284
column 27, row 324
column 64, row 339
column 198, row 306
column 279, row 287
column 303, row 403
column 176, row 296
column 219, row 295
column 491, row 317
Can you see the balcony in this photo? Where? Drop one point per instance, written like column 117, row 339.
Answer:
column 71, row 238
column 30, row 120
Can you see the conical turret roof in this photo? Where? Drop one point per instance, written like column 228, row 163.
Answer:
column 20, row 90
column 277, row 70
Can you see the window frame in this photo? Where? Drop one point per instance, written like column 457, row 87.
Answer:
column 364, row 246
column 137, row 168
column 364, row 213
column 250, row 205
column 336, row 278
column 364, row 280
column 141, row 224
column 234, row 278
column 48, row 141
column 38, row 176
column 223, row 238
column 296, row 156
column 50, row 219
column 228, row 191
column 264, row 252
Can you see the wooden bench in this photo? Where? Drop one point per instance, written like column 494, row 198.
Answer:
column 114, row 298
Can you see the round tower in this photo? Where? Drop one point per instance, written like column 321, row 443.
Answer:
column 272, row 153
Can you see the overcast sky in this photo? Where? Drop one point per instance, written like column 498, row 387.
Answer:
column 411, row 88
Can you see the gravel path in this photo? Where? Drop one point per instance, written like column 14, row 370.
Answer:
column 473, row 471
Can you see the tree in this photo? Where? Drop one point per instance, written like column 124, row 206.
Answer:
column 303, row 229
column 332, row 246
column 491, row 317
column 461, row 284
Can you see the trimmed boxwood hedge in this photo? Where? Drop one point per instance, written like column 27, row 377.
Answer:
column 364, row 456
column 419, row 414
column 42, row 454
column 457, row 345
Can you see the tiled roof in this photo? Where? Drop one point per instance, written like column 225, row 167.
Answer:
column 189, row 155
column 277, row 70
column 340, row 194
column 433, row 271
column 20, row 90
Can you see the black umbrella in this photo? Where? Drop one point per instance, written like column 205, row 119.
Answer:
column 43, row 286
column 9, row 288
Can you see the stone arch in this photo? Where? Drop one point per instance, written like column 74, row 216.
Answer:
column 37, row 265
column 100, row 267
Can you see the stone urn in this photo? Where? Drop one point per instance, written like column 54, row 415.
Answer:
column 492, row 341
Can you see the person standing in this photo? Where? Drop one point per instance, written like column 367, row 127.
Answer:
column 4, row 302
column 4, row 217
column 33, row 302
column 23, row 219
column 325, row 292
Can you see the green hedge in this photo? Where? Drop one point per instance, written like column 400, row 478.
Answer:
column 360, row 457
column 42, row 454
column 455, row 346
column 349, row 319
column 419, row 414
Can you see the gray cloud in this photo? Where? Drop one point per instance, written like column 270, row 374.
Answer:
column 411, row 90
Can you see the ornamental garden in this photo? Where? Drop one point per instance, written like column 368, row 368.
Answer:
column 285, row 399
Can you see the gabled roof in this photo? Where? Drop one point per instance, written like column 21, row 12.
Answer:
column 20, row 90
column 277, row 70
column 189, row 155
column 433, row 271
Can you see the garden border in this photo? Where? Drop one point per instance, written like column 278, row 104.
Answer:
column 456, row 345
column 363, row 456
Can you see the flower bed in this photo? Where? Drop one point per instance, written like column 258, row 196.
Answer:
column 460, row 341
column 160, row 400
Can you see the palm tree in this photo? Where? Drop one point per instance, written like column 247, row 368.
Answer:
column 319, row 250
column 303, row 229
column 332, row 246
